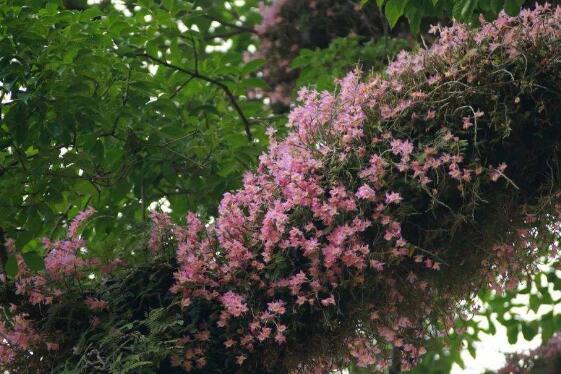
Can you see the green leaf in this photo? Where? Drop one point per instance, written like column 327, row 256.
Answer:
column 546, row 296
column 252, row 66
column 415, row 13
column 394, row 10
column 547, row 326
column 471, row 350
column 512, row 7
column 34, row 261
column 534, row 303
column 11, row 267
column 496, row 5
column 528, row 331
column 492, row 329
column 354, row 369
column 463, row 9
column 512, row 333
column 253, row 82
column 168, row 4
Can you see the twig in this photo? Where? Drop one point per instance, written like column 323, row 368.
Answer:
column 181, row 87
column 205, row 78
column 232, row 25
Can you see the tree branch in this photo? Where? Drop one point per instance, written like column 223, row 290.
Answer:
column 210, row 80
column 232, row 25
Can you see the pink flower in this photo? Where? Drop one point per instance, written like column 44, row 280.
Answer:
column 161, row 222
column 280, row 338
column 234, row 303
column 376, row 169
column 378, row 265
column 240, row 359
column 366, row 192
column 264, row 334
column 61, row 259
column 328, row 301
column 495, row 174
column 401, row 147
column 10, row 245
column 387, row 333
column 229, row 343
column 393, row 197
column 78, row 220
column 95, row 304
column 276, row 307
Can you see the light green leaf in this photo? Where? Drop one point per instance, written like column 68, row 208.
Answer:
column 463, row 9
column 512, row 7
column 394, row 10
column 252, row 66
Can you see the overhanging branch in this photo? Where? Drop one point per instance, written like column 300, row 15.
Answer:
column 221, row 85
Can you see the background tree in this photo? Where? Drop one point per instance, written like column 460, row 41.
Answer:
column 118, row 108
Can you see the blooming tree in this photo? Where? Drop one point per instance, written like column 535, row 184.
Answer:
column 364, row 232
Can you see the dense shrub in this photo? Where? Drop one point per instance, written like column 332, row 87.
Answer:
column 367, row 230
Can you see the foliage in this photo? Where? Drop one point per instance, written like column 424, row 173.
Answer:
column 342, row 55
column 510, row 309
column 461, row 10
column 84, row 122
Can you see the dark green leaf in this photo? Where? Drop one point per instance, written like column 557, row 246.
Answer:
column 394, row 10
column 11, row 267
column 34, row 261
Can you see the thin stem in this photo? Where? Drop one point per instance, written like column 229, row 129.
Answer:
column 232, row 25
column 205, row 78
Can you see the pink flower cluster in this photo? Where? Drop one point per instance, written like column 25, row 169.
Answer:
column 78, row 221
column 161, row 225
column 17, row 337
column 324, row 211
column 270, row 14
column 63, row 267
